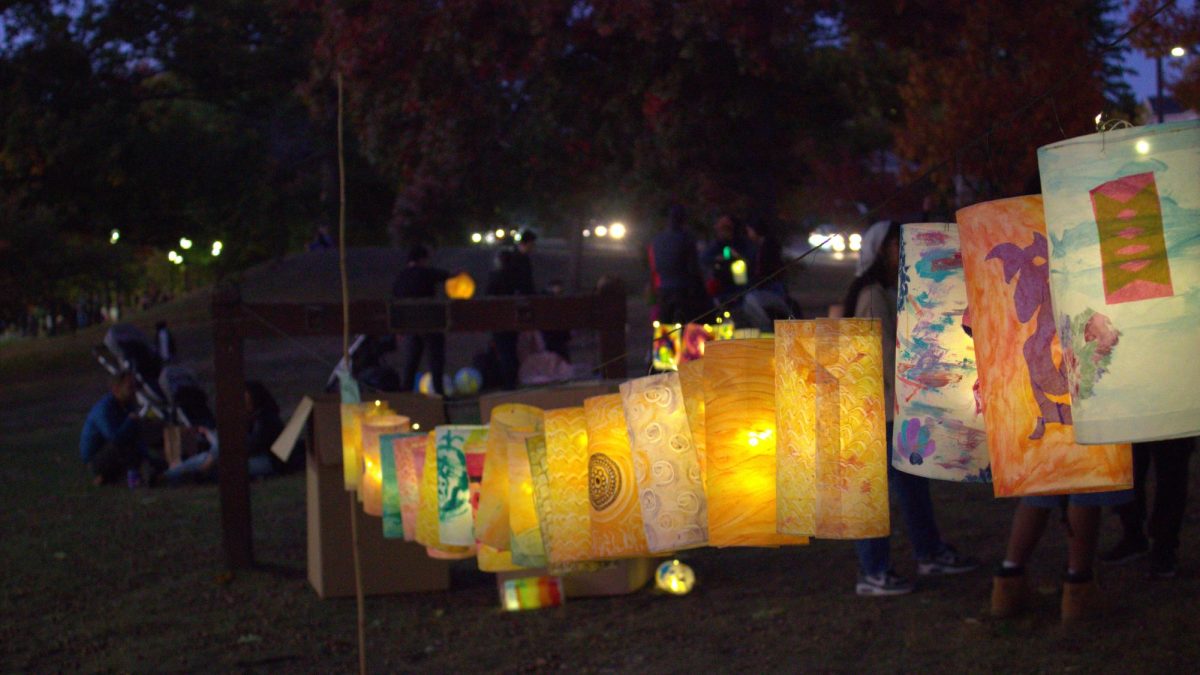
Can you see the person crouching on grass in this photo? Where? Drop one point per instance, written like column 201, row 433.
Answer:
column 111, row 444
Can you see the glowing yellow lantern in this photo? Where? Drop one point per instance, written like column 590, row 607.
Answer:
column 1026, row 402
column 674, row 577
column 427, row 512
column 617, row 530
column 520, row 425
column 371, row 485
column 393, row 456
column 460, row 287
column 691, row 384
column 351, row 417
column 491, row 518
column 669, row 485
column 739, row 407
column 566, row 518
column 410, row 462
column 796, row 452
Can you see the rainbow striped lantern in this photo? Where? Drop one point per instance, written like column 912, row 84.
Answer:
column 1122, row 215
column 1025, row 394
column 739, row 405
column 833, row 462
column 938, row 431
column 617, row 530
column 565, row 513
column 371, row 483
column 666, row 467
column 461, row 450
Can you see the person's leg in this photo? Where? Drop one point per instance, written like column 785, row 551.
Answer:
column 413, row 346
column 437, row 360
column 1010, row 589
column 1171, row 459
column 198, row 467
column 874, row 555
column 916, row 508
column 260, row 466
column 1133, row 513
column 1079, row 587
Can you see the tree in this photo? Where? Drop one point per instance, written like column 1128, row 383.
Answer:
column 1165, row 27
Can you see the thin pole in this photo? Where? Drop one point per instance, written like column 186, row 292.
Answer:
column 358, row 585
column 1158, row 102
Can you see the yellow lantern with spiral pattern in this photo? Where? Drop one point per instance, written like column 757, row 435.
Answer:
column 617, row 530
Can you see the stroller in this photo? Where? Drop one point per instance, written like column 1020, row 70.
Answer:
column 171, row 393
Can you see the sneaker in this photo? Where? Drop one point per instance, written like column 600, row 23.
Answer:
column 1162, row 564
column 1127, row 550
column 947, row 561
column 888, row 583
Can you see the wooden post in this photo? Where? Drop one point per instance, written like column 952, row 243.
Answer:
column 232, row 467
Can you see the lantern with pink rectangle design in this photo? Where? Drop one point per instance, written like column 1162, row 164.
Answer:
column 1122, row 215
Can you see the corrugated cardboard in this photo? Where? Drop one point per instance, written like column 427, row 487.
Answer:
column 388, row 565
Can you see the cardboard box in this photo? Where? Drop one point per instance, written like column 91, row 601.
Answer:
column 428, row 411
column 388, row 565
column 548, row 398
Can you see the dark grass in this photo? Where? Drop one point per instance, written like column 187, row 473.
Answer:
column 116, row 580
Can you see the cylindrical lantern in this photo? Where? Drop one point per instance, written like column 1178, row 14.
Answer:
column 739, row 411
column 461, row 449
column 616, row 516
column 351, row 419
column 371, row 484
column 691, row 383
column 1122, row 215
column 519, row 425
column 392, row 456
column 410, row 462
column 669, row 485
column 491, row 518
column 833, row 466
column 566, row 518
column 938, row 425
column 427, row 513
column 1025, row 396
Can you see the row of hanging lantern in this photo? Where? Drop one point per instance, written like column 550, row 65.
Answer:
column 1034, row 339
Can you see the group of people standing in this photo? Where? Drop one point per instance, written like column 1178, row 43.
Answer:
column 740, row 269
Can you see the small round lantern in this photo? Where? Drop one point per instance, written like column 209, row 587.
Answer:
column 460, row 287
column 674, row 577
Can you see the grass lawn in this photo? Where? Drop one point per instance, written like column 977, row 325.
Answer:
column 132, row 580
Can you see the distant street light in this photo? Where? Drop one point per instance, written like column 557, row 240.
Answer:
column 476, row 238
column 114, row 236
column 217, row 247
column 185, row 243
column 587, row 233
column 500, row 234
column 601, row 231
column 856, row 242
column 1178, row 52
column 617, row 231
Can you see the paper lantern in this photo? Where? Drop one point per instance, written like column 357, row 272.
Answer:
column 833, row 462
column 566, row 515
column 392, row 453
column 494, row 560
column 460, row 287
column 616, row 516
column 1026, row 405
column 1122, row 215
column 491, row 518
column 691, row 384
column 674, row 577
column 669, row 486
column 351, row 420
column 519, row 425
column 427, row 512
column 409, row 455
column 371, row 484
column 461, row 450
column 666, row 345
column 739, row 419
column 938, row 426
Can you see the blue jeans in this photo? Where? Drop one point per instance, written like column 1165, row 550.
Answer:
column 259, row 466
column 916, row 507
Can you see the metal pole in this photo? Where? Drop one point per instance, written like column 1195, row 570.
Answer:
column 1158, row 102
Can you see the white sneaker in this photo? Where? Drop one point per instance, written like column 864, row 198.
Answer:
column 888, row 583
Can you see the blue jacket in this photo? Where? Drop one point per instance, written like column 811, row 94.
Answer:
column 107, row 421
